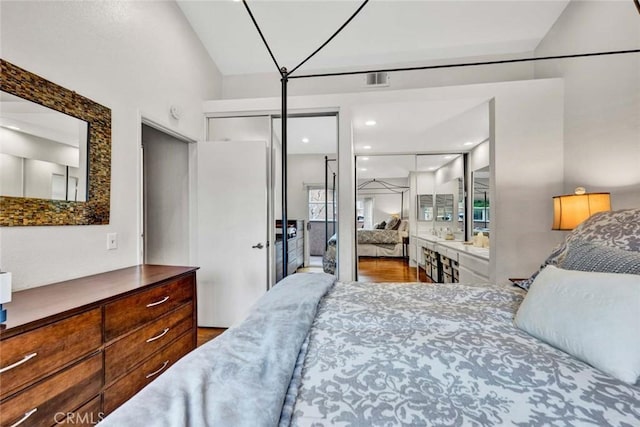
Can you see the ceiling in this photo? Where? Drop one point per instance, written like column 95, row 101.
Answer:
column 384, row 32
column 436, row 127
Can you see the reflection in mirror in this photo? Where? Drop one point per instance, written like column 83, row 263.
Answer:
column 43, row 152
column 444, row 207
column 481, row 201
column 425, row 207
column 461, row 208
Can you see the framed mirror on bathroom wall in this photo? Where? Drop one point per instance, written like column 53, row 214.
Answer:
column 425, row 207
column 55, row 156
column 444, row 208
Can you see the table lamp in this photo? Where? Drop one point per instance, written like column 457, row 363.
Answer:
column 572, row 209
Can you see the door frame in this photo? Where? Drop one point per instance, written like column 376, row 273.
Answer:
column 141, row 214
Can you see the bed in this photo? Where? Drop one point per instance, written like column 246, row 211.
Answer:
column 371, row 243
column 382, row 243
column 316, row 352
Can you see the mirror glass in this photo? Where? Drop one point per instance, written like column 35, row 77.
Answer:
column 481, row 202
column 425, row 207
column 444, row 207
column 43, row 152
column 461, row 209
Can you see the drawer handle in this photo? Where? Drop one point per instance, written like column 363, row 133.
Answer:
column 163, row 300
column 24, row 417
column 154, row 373
column 157, row 337
column 18, row 363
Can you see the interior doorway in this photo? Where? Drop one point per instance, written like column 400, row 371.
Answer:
column 165, row 187
column 311, row 155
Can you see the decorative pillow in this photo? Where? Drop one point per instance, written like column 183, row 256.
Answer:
column 381, row 226
column 592, row 316
column 404, row 225
column 393, row 224
column 587, row 256
column 618, row 229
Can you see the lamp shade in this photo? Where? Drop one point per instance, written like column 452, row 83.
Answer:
column 572, row 209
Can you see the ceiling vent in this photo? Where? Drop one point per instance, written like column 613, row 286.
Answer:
column 377, row 79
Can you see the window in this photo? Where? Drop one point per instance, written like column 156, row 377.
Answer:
column 317, row 204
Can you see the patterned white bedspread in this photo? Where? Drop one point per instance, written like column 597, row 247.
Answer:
column 442, row 355
column 379, row 236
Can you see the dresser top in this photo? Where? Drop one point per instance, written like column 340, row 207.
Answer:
column 50, row 301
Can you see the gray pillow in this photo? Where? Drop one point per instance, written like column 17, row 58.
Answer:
column 587, row 256
column 381, row 225
column 619, row 229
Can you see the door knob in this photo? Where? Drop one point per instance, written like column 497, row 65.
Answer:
column 258, row 246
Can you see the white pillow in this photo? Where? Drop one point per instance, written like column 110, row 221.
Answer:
column 593, row 316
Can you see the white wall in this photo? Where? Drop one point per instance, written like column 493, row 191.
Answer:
column 303, row 169
column 11, row 175
column 385, row 203
column 268, row 84
column 137, row 58
column 602, row 97
column 21, row 144
column 479, row 157
column 38, row 178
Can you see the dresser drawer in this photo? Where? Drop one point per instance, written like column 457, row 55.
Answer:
column 41, row 352
column 123, row 354
column 62, row 393
column 87, row 415
column 135, row 310
column 126, row 387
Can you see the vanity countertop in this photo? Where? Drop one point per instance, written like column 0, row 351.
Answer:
column 432, row 238
column 465, row 248
column 457, row 245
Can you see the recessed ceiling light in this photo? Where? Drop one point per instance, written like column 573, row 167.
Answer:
column 468, row 143
column 432, row 168
column 305, row 140
column 364, row 158
column 366, row 147
column 448, row 157
column 370, row 123
column 12, row 127
column 363, row 169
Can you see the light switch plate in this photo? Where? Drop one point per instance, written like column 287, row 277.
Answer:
column 112, row 241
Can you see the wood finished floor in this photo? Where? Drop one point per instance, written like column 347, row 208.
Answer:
column 369, row 270
column 381, row 270
column 207, row 334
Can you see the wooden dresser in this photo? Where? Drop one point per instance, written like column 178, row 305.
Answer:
column 72, row 352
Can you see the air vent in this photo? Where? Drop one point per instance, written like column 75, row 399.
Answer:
column 377, row 79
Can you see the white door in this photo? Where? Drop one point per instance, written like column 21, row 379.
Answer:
column 231, row 229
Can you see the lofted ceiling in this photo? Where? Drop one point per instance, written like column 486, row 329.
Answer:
column 384, row 32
